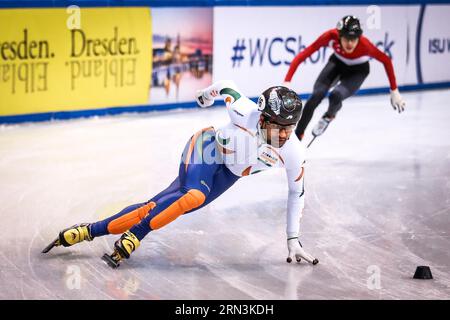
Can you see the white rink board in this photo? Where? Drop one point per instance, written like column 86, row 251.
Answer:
column 279, row 43
column 435, row 44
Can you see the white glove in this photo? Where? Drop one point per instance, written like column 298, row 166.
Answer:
column 295, row 249
column 202, row 101
column 397, row 101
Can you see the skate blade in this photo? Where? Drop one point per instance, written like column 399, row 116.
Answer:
column 110, row 261
column 312, row 140
column 54, row 243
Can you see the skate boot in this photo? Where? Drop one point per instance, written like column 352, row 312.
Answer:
column 321, row 126
column 122, row 249
column 70, row 236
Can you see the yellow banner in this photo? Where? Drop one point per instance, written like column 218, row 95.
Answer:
column 74, row 59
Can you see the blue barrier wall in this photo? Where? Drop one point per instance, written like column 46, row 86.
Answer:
column 191, row 3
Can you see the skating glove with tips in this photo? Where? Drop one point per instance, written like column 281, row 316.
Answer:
column 397, row 101
column 296, row 250
column 202, row 100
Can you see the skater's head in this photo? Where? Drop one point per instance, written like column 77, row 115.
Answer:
column 350, row 31
column 281, row 109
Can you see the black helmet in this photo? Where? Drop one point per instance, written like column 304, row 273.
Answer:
column 280, row 105
column 349, row 27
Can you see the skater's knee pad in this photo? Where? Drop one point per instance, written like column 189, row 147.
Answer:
column 191, row 200
column 125, row 222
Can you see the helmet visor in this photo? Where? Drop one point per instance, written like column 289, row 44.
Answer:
column 291, row 101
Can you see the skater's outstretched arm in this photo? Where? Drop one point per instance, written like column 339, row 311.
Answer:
column 374, row 52
column 239, row 107
column 397, row 101
column 296, row 199
column 296, row 203
column 323, row 40
column 295, row 171
column 224, row 88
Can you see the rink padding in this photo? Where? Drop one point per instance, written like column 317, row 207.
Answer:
column 66, row 115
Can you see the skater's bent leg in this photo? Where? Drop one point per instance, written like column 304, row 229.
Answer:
column 190, row 201
column 167, row 211
column 323, row 83
column 200, row 182
column 317, row 96
column 335, row 103
column 195, row 176
column 128, row 217
column 222, row 181
column 121, row 221
column 350, row 82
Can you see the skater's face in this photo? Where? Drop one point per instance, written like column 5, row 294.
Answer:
column 349, row 45
column 276, row 134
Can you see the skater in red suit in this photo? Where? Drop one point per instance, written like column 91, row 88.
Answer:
column 348, row 66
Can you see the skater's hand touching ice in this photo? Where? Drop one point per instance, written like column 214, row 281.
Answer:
column 397, row 101
column 296, row 250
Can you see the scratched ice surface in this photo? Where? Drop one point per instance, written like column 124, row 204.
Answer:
column 377, row 206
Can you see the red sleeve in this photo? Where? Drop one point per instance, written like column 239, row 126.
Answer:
column 374, row 52
column 323, row 40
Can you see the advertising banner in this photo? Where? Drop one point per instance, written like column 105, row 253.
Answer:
column 254, row 49
column 435, row 44
column 182, row 53
column 64, row 59
column 140, row 58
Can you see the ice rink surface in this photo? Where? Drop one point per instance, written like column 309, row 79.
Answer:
column 377, row 205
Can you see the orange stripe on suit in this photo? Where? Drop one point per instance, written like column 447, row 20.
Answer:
column 192, row 199
column 125, row 222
